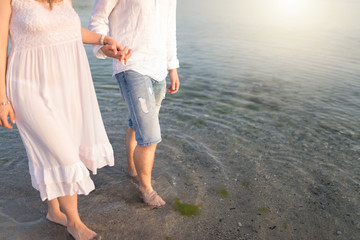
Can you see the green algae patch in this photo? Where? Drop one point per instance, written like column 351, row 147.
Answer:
column 169, row 238
column 4, row 160
column 223, row 192
column 181, row 117
column 286, row 225
column 186, row 209
column 252, row 107
column 199, row 122
column 222, row 110
column 264, row 210
column 246, row 184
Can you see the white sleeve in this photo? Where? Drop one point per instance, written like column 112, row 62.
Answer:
column 172, row 60
column 99, row 21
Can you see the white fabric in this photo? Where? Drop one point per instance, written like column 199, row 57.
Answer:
column 50, row 86
column 148, row 27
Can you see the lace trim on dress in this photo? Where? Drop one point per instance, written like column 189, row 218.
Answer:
column 33, row 25
column 22, row 3
column 48, row 38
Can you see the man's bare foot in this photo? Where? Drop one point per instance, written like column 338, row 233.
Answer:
column 59, row 218
column 153, row 199
column 80, row 231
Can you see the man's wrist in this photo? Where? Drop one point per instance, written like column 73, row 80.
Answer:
column 98, row 53
column 173, row 71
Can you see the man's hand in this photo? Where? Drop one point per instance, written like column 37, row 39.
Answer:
column 5, row 111
column 175, row 83
column 114, row 50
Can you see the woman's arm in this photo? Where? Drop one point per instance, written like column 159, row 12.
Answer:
column 5, row 12
column 89, row 37
column 5, row 107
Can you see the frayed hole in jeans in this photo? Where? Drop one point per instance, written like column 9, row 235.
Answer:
column 150, row 91
column 143, row 105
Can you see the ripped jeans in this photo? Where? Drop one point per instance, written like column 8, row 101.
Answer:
column 143, row 96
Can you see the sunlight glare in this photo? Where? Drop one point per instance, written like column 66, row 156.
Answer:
column 291, row 7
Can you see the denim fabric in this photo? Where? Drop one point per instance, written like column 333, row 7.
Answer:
column 143, row 96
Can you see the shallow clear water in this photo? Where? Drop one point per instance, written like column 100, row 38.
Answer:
column 268, row 111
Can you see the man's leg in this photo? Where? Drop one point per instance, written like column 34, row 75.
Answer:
column 130, row 148
column 140, row 162
column 144, row 161
column 143, row 102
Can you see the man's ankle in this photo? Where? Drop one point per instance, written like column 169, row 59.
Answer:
column 145, row 189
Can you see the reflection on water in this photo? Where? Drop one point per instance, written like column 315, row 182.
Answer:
column 267, row 111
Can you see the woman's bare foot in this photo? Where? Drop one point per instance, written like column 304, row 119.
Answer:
column 59, row 218
column 80, row 231
column 152, row 198
column 132, row 174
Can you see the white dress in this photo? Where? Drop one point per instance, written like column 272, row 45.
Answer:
column 56, row 111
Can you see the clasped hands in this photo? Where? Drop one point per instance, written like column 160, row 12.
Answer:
column 113, row 49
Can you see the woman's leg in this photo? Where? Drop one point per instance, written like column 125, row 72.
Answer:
column 74, row 224
column 54, row 213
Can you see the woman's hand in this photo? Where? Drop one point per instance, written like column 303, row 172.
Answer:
column 114, row 50
column 175, row 83
column 5, row 111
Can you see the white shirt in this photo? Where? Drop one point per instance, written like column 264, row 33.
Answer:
column 148, row 27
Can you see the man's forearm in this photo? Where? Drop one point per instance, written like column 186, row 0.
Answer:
column 99, row 22
column 172, row 61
